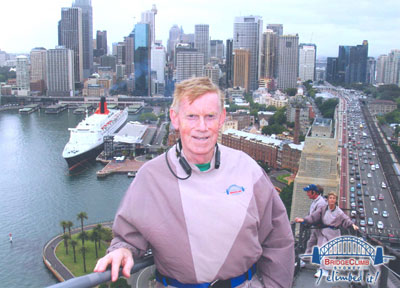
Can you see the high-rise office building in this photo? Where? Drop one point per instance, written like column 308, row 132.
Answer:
column 142, row 59
column 371, row 69
column 23, row 79
column 212, row 72
column 60, row 72
column 202, row 40
column 101, row 43
column 307, row 58
column 392, row 68
column 288, row 61
column 71, row 37
column 189, row 64
column 121, row 51
column 38, row 69
column 332, row 69
column 158, row 57
column 229, row 63
column 108, row 61
column 149, row 17
column 352, row 63
column 174, row 38
column 268, row 55
column 277, row 28
column 247, row 34
column 380, row 69
column 241, row 70
column 129, row 53
column 87, row 35
column 217, row 49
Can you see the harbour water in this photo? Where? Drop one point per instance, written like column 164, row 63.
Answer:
column 37, row 192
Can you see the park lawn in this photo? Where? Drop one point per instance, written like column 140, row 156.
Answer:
column 68, row 260
column 281, row 178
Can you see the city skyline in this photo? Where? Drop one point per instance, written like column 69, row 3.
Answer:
column 323, row 23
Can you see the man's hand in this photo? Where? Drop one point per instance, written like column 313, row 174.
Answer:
column 298, row 220
column 119, row 257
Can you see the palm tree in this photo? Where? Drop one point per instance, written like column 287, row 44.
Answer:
column 94, row 236
column 99, row 228
column 66, row 237
column 81, row 216
column 63, row 224
column 83, row 250
column 68, row 225
column 83, row 236
column 73, row 244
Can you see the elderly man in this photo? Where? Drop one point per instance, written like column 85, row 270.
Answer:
column 209, row 213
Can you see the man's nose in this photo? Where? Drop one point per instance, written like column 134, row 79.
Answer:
column 202, row 124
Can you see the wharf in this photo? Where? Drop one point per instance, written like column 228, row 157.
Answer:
column 128, row 165
column 28, row 109
column 55, row 109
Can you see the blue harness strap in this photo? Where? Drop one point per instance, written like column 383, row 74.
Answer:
column 229, row 283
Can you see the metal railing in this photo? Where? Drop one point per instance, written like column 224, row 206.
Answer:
column 94, row 279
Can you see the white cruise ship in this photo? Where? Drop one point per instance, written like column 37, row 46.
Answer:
column 86, row 140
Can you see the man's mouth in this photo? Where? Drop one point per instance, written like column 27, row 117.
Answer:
column 204, row 138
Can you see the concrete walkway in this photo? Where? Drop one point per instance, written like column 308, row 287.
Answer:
column 59, row 270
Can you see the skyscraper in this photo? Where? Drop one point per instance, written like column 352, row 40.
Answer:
column 202, row 40
column 189, row 64
column 87, row 35
column 332, row 69
column 38, row 69
column 217, row 49
column 307, row 57
column 212, row 72
column 247, row 34
column 71, row 37
column 371, row 69
column 60, row 72
column 142, row 59
column 380, row 69
column 149, row 17
column 129, row 53
column 229, row 63
column 352, row 63
column 174, row 38
column 101, row 43
column 269, row 54
column 241, row 70
column 277, row 28
column 392, row 68
column 158, row 56
column 288, row 61
column 23, row 79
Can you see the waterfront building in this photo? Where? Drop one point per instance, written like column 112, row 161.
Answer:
column 212, row 72
column 142, row 59
column 241, row 68
column 60, row 72
column 149, row 17
column 380, row 69
column 38, row 70
column 158, row 62
column 288, row 61
column 247, row 34
column 70, row 36
column 307, row 59
column 189, row 64
column 229, row 63
column 87, row 35
column 202, row 41
column 23, row 79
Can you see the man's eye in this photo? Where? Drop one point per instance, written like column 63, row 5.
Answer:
column 191, row 116
column 211, row 116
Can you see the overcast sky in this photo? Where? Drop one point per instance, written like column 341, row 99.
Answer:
column 327, row 23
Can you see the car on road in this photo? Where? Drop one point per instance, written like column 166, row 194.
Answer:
column 364, row 182
column 360, row 209
column 375, row 211
column 352, row 180
column 352, row 189
column 376, row 166
column 369, row 175
column 385, row 214
column 362, row 223
column 379, row 224
column 353, row 205
column 366, row 193
column 353, row 213
column 370, row 221
column 362, row 228
column 372, row 198
column 359, row 193
column 362, row 215
column 371, row 163
column 359, row 185
column 373, row 153
column 383, row 185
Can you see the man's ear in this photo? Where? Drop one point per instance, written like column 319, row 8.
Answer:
column 174, row 118
column 222, row 118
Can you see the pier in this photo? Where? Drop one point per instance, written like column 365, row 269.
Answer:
column 28, row 109
column 55, row 109
column 114, row 166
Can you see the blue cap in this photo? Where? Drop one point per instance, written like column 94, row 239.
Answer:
column 311, row 187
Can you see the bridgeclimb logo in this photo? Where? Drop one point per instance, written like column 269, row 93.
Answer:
column 234, row 190
column 348, row 258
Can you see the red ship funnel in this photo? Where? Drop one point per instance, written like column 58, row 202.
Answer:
column 102, row 109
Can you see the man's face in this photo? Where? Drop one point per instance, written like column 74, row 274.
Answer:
column 198, row 124
column 310, row 194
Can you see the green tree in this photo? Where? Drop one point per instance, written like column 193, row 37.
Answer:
column 146, row 117
column 68, row 225
column 83, row 251
column 271, row 108
column 66, row 237
column 63, row 224
column 83, row 236
column 73, row 244
column 100, row 230
column 291, row 91
column 286, row 196
column 81, row 216
column 94, row 236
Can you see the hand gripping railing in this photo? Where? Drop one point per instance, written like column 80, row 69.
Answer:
column 94, row 279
